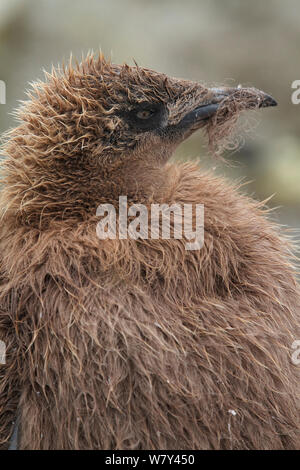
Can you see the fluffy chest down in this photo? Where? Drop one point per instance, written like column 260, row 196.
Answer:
column 143, row 344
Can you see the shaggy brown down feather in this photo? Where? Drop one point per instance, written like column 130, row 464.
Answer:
column 136, row 344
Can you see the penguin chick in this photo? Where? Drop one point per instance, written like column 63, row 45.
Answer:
column 139, row 343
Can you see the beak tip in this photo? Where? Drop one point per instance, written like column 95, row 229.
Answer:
column 268, row 101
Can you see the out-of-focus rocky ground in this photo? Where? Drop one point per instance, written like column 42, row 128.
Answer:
column 255, row 43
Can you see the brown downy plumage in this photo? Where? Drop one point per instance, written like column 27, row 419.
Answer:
column 139, row 344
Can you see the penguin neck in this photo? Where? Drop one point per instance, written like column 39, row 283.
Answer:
column 73, row 193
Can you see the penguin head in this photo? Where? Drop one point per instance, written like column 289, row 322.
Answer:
column 99, row 110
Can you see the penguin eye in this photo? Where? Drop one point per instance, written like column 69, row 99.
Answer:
column 144, row 114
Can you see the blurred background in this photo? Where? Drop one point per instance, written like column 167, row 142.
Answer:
column 227, row 42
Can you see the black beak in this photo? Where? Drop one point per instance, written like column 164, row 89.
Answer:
column 247, row 98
